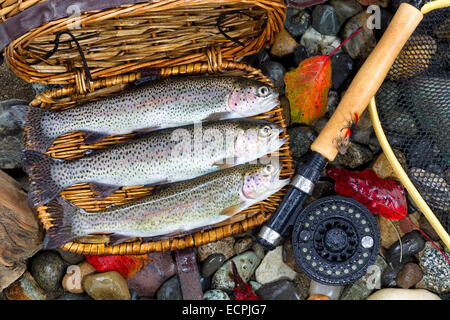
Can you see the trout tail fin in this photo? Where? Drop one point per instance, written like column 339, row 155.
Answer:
column 42, row 187
column 35, row 137
column 62, row 213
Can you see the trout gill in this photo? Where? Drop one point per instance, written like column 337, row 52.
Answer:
column 180, row 208
column 160, row 157
column 160, row 104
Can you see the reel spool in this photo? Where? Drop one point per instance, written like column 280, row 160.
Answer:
column 335, row 239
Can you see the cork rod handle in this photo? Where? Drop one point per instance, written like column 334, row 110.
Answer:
column 368, row 79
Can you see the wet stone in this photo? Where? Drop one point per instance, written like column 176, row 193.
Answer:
column 279, row 290
column 272, row 267
column 73, row 279
column 389, row 275
column 363, row 287
column 342, row 67
column 74, row 296
column 160, row 268
column 364, row 42
column 224, row 246
column 11, row 133
column 297, row 21
column 333, row 101
column 300, row 54
column 302, row 282
column 258, row 250
column 409, row 275
column 331, row 292
column 70, row 257
column 215, row 294
column 48, row 269
column 318, row 44
column 356, row 155
column 212, row 264
column 385, row 19
column 427, row 228
column 246, row 264
column 275, row 71
column 243, row 245
column 403, row 294
column 106, row 286
column 346, row 9
column 325, row 20
column 255, row 285
column 13, row 87
column 170, row 290
column 258, row 59
column 285, row 105
column 134, row 295
column 205, row 282
column 412, row 243
column 436, row 271
column 283, row 45
column 301, row 139
column 288, row 256
column 25, row 288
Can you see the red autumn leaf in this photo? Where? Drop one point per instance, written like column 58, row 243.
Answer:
column 127, row 266
column 242, row 290
column 307, row 89
column 380, row 196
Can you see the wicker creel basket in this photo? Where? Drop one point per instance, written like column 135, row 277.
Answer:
column 70, row 146
column 119, row 40
column 118, row 43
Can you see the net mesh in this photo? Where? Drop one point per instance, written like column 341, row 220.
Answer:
column 413, row 107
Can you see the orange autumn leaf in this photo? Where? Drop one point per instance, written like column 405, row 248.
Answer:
column 307, row 89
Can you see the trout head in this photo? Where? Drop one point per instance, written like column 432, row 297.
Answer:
column 256, row 139
column 251, row 97
column 262, row 180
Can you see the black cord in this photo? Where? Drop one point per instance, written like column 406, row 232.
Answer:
column 219, row 25
column 52, row 52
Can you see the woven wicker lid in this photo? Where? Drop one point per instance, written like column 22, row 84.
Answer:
column 150, row 34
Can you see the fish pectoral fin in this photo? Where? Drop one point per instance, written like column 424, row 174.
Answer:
column 226, row 163
column 116, row 238
column 91, row 137
column 101, row 190
column 231, row 211
column 217, row 116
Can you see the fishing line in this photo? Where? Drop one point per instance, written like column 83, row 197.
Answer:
column 55, row 48
column 219, row 25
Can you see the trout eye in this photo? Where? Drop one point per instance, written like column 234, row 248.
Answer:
column 265, row 131
column 263, row 91
column 269, row 169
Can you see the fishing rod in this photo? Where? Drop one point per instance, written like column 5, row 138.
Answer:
column 324, row 148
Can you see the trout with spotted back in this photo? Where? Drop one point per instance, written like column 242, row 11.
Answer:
column 183, row 207
column 160, row 104
column 160, row 157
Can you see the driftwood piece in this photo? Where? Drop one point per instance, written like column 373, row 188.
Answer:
column 20, row 233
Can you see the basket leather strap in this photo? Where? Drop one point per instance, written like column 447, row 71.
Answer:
column 188, row 274
column 51, row 10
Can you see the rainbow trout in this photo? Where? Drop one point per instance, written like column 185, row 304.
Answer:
column 160, row 157
column 160, row 104
column 180, row 208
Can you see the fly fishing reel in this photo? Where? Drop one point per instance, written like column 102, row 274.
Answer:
column 335, row 239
